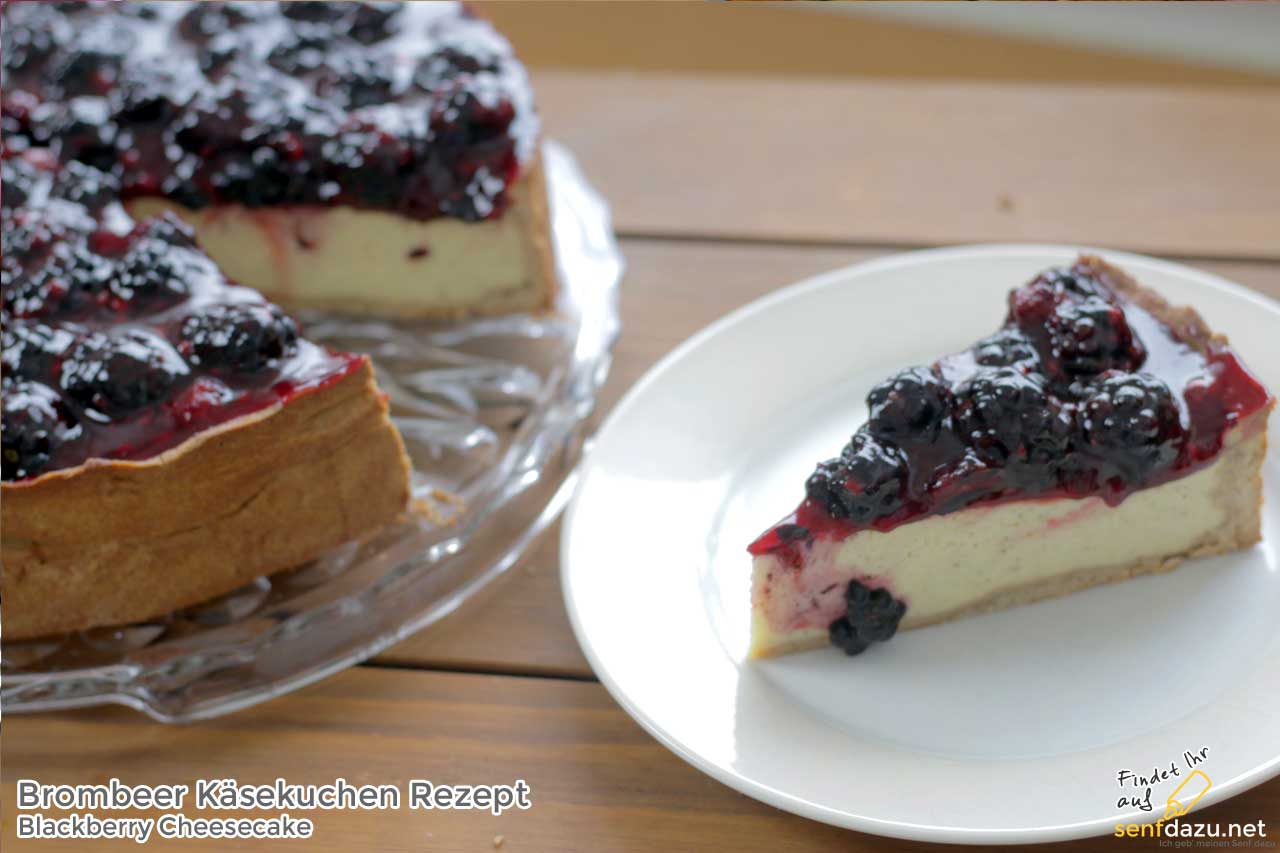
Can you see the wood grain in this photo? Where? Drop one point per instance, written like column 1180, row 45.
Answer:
column 599, row 782
column 1186, row 172
column 788, row 39
column 672, row 290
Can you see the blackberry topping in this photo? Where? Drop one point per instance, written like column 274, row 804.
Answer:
column 1130, row 420
column 155, row 267
column 85, row 185
column 18, row 180
column 1090, row 336
column 361, row 83
column 1005, row 348
column 110, row 376
column 871, row 616
column 866, row 482
column 909, row 407
column 371, row 22
column 1007, row 416
column 70, row 281
column 28, row 43
column 83, row 131
column 302, row 51
column 313, row 12
column 444, row 65
column 243, row 337
column 471, row 154
column 34, row 350
column 208, row 19
column 35, row 424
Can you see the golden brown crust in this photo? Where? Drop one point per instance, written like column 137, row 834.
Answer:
column 115, row 542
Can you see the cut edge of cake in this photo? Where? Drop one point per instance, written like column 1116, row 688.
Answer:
column 257, row 495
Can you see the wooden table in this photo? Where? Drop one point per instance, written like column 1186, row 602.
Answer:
column 723, row 190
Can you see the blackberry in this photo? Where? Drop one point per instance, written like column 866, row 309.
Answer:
column 1090, row 336
column 442, row 66
column 156, row 267
column 371, row 22
column 843, row 637
column 111, row 376
column 867, row 481
column 34, row 425
column 871, row 616
column 82, row 130
column 209, row 19
column 1007, row 416
column 34, row 350
column 1005, row 348
column 471, row 154
column 873, row 613
column 70, row 280
column 910, row 407
column 360, row 82
column 83, row 184
column 18, row 180
column 1132, row 423
column 302, row 51
column 314, row 12
column 243, row 337
column 28, row 41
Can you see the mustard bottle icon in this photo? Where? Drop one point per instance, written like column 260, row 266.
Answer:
column 1180, row 801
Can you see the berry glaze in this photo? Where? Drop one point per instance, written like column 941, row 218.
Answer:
column 121, row 339
column 414, row 108
column 1082, row 393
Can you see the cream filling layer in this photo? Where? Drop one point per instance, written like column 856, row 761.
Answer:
column 946, row 562
column 336, row 256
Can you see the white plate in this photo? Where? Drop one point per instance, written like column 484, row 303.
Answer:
column 1010, row 727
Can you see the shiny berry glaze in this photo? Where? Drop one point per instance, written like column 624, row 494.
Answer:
column 415, row 108
column 121, row 339
column 1081, row 393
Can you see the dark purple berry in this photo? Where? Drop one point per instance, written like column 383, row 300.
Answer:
column 113, row 375
column 372, row 22
column 1005, row 348
column 910, row 407
column 1008, row 417
column 83, row 184
column 1092, row 335
column 243, row 336
column 34, row 350
column 1131, row 421
column 873, row 614
column 866, row 482
column 843, row 637
column 35, row 424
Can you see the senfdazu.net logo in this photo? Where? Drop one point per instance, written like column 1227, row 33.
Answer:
column 1189, row 786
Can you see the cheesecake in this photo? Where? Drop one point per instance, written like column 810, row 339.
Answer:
column 173, row 174
column 167, row 434
column 1100, row 434
column 365, row 158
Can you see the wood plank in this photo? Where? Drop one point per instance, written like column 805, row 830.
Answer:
column 788, row 39
column 672, row 290
column 1188, row 172
column 598, row 781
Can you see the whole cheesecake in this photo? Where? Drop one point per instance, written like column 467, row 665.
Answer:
column 361, row 157
column 1099, row 435
column 168, row 432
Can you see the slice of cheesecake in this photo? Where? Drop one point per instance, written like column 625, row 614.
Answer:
column 369, row 158
column 1099, row 435
column 167, row 435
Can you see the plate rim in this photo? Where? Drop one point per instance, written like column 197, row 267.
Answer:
column 773, row 796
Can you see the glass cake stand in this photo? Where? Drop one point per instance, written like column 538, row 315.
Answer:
column 494, row 414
